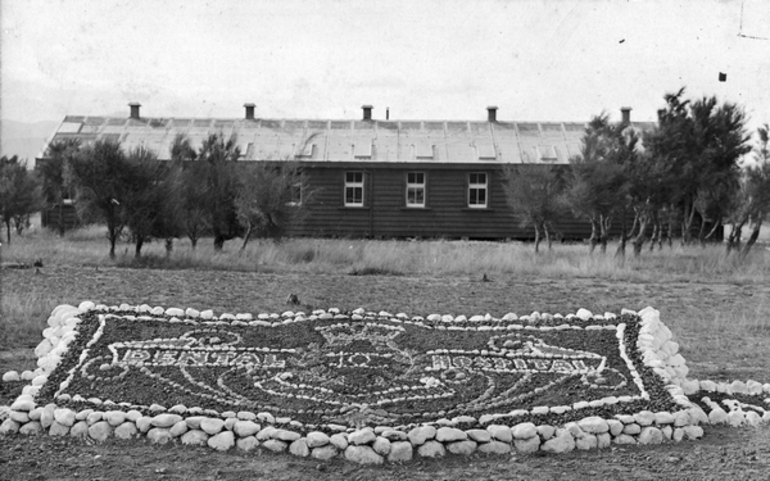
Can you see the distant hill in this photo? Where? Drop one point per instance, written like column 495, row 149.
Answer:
column 25, row 139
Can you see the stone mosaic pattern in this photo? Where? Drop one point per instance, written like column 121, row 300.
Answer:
column 372, row 387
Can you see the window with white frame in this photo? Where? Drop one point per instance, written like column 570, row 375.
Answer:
column 415, row 189
column 477, row 190
column 295, row 193
column 354, row 189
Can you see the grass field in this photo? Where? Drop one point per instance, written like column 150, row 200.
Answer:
column 718, row 308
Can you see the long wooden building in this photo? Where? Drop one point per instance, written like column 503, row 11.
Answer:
column 378, row 178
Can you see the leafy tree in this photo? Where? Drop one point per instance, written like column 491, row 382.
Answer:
column 19, row 194
column 215, row 169
column 54, row 189
column 533, row 193
column 102, row 178
column 186, row 186
column 752, row 203
column 597, row 188
column 700, row 143
column 270, row 199
column 146, row 198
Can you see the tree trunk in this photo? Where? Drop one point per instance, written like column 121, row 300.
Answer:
column 219, row 242
column 113, row 240
column 246, row 237
column 713, row 230
column 537, row 239
column 701, row 230
column 194, row 242
column 638, row 241
column 687, row 220
column 604, row 226
column 169, row 246
column 594, row 239
column 61, row 218
column 656, row 232
column 752, row 238
column 139, row 244
column 8, row 230
column 547, row 236
column 621, row 250
column 734, row 240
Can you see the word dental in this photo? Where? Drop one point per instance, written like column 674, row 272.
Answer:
column 199, row 357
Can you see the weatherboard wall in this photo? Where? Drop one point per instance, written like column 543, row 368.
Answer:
column 385, row 213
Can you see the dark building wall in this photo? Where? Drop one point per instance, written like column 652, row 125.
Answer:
column 385, row 214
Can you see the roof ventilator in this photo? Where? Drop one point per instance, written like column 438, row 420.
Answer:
column 134, row 109
column 249, row 111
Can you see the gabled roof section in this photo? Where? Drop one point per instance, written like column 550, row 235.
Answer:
column 317, row 140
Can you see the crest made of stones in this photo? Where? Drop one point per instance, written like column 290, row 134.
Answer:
column 344, row 371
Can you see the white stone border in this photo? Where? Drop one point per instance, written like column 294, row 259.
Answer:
column 248, row 430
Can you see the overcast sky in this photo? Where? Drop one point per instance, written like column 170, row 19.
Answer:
column 535, row 60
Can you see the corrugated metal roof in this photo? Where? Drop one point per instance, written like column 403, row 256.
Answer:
column 348, row 140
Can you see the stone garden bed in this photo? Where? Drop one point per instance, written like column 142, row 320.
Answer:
column 370, row 386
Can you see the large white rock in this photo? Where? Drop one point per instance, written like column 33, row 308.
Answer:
column 717, row 416
column 100, row 431
column 57, row 429
column 275, row 445
column 166, row 420
column 361, row 437
column 249, row 443
column 194, row 437
column 115, row 418
column 400, row 452
column 362, row 455
column 593, row 425
column 159, row 435
column 650, row 435
column 431, row 449
column 339, row 441
column 222, row 441
column 465, row 448
column 563, row 442
column 32, row 428
column 316, row 439
column 524, row 430
column 212, row 425
column 527, row 445
column 285, row 435
column 299, row 448
column 246, row 428
column 127, row 430
column 324, row 452
column 446, row 434
column 178, row 429
column 500, row 433
column 64, row 416
column 421, row 434
column 586, row 442
column 381, row 446
column 11, row 376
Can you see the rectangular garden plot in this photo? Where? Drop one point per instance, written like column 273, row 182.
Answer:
column 358, row 369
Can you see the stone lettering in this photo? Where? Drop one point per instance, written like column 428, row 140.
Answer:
column 136, row 356
column 192, row 357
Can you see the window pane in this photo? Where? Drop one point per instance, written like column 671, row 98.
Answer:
column 420, row 197
column 419, row 178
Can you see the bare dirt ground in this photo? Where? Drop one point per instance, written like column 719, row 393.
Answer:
column 699, row 313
